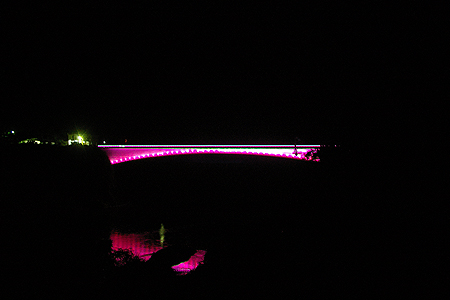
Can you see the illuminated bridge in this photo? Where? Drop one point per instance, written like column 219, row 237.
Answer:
column 122, row 153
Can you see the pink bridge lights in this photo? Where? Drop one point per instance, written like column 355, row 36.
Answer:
column 122, row 153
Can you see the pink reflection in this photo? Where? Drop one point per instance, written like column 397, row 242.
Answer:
column 139, row 245
column 191, row 264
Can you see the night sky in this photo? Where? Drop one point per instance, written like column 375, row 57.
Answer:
column 209, row 73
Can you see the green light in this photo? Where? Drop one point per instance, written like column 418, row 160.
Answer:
column 162, row 231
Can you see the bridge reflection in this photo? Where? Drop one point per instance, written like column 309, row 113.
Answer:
column 143, row 246
column 122, row 153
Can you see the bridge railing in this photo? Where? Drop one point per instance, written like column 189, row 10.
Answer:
column 123, row 153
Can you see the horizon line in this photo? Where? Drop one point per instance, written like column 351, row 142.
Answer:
column 215, row 146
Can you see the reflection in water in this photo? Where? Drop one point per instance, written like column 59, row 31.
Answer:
column 162, row 231
column 142, row 246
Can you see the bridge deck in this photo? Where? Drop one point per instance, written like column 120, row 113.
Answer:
column 123, row 153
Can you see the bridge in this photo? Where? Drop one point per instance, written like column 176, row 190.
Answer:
column 123, row 153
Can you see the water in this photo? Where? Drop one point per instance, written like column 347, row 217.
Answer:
column 272, row 226
column 144, row 245
column 222, row 223
column 235, row 212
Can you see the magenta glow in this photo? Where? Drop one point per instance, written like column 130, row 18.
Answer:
column 138, row 244
column 123, row 153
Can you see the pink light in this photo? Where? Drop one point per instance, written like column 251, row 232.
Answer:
column 192, row 263
column 121, row 154
column 205, row 146
column 138, row 244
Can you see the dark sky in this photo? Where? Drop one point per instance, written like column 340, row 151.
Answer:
column 210, row 73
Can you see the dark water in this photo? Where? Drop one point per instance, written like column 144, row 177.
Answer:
column 238, row 226
column 262, row 222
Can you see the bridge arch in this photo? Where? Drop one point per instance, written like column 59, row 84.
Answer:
column 123, row 153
